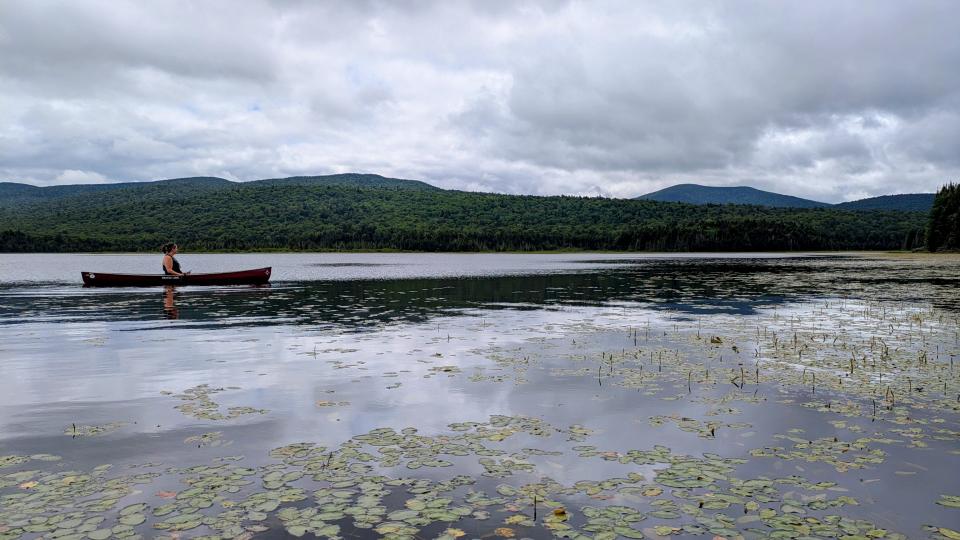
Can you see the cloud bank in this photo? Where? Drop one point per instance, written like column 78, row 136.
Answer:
column 832, row 100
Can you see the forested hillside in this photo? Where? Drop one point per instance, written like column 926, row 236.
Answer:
column 15, row 194
column 308, row 217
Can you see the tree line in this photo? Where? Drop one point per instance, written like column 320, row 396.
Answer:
column 265, row 217
column 943, row 230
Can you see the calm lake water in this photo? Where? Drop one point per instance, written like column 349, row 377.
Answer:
column 441, row 395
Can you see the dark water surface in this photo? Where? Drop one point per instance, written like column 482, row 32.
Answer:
column 438, row 395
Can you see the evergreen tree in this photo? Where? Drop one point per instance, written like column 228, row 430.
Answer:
column 943, row 229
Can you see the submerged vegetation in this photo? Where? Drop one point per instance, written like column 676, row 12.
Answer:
column 336, row 217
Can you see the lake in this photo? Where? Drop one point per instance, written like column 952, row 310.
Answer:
column 483, row 396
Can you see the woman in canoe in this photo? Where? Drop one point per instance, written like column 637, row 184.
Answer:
column 170, row 265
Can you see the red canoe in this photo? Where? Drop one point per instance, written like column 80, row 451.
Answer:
column 243, row 277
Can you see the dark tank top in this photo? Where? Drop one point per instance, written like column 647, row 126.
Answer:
column 176, row 266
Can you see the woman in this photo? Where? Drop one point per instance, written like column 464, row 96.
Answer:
column 170, row 265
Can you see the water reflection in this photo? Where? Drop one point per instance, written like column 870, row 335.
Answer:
column 683, row 288
column 169, row 302
column 298, row 361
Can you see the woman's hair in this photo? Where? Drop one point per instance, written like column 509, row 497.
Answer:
column 167, row 247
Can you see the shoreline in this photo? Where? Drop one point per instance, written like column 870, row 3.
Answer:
column 492, row 252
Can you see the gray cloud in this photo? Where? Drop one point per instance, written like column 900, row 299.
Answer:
column 829, row 100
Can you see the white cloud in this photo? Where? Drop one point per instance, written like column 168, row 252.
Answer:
column 820, row 99
column 71, row 176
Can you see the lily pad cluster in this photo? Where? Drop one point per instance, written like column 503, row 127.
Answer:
column 75, row 430
column 211, row 439
column 842, row 455
column 199, row 405
column 68, row 504
column 326, row 492
column 703, row 429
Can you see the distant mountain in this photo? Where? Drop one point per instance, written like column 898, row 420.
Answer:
column 697, row 194
column 14, row 194
column 914, row 202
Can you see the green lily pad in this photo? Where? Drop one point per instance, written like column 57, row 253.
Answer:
column 951, row 501
column 132, row 519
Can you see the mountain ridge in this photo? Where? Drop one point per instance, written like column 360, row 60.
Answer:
column 14, row 193
column 701, row 194
column 908, row 202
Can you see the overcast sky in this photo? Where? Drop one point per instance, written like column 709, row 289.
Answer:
column 830, row 100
